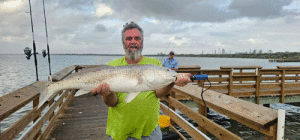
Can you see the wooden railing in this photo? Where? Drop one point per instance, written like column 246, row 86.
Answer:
column 260, row 118
column 279, row 83
column 263, row 120
column 14, row 101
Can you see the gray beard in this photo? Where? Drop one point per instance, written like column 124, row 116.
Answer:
column 133, row 56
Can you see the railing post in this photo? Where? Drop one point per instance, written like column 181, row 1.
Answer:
column 172, row 94
column 273, row 130
column 200, row 82
column 241, row 72
column 230, row 83
column 203, row 111
column 257, row 87
column 282, row 86
column 35, row 104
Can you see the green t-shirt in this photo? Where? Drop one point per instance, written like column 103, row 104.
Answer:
column 137, row 118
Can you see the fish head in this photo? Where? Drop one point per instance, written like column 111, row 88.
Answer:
column 157, row 77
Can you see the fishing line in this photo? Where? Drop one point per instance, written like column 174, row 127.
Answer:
column 34, row 49
column 204, row 91
column 165, row 51
column 47, row 38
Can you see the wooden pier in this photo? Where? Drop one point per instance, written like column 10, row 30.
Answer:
column 84, row 117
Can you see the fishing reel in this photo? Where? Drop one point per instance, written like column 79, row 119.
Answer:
column 27, row 52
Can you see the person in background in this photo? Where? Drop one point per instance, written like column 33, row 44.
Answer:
column 171, row 62
column 137, row 119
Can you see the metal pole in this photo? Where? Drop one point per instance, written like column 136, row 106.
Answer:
column 34, row 49
column 47, row 38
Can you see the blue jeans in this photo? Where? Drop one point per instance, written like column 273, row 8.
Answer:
column 155, row 135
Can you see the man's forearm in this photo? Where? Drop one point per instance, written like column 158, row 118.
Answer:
column 164, row 91
column 111, row 99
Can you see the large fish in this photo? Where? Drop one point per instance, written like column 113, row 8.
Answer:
column 131, row 79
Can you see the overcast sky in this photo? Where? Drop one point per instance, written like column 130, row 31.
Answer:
column 184, row 26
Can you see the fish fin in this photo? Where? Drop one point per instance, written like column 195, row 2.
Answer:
column 81, row 92
column 131, row 96
column 42, row 87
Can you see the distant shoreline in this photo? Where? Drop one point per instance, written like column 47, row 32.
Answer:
column 277, row 55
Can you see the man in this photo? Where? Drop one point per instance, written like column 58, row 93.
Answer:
column 170, row 62
column 137, row 119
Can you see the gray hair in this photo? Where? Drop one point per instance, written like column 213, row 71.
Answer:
column 131, row 25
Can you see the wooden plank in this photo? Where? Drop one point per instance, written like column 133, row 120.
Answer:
column 265, row 93
column 187, row 128
column 37, row 127
column 243, row 94
column 217, row 87
column 185, row 68
column 13, row 101
column 230, row 83
column 282, row 86
column 288, row 67
column 218, row 79
column 244, row 77
column 243, row 86
column 240, row 67
column 50, row 125
column 252, row 115
column 63, row 73
column 215, row 129
column 84, row 117
column 244, row 74
column 216, row 72
column 18, row 127
column 180, row 135
column 257, row 87
column 270, row 78
column 287, row 85
column 292, row 71
column 269, row 85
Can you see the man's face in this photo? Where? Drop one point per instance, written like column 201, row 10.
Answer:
column 133, row 44
column 171, row 56
column 133, row 40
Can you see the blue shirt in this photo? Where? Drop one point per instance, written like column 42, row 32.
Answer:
column 170, row 64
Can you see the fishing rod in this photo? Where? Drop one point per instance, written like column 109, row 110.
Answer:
column 34, row 48
column 48, row 50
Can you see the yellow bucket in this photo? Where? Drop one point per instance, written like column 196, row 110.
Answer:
column 164, row 121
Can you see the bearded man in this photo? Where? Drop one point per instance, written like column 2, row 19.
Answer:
column 137, row 119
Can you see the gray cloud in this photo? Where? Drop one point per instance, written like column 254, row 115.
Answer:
column 100, row 28
column 259, row 8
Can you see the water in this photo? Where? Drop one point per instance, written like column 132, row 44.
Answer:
column 16, row 72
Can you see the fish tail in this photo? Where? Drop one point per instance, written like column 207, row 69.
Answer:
column 46, row 93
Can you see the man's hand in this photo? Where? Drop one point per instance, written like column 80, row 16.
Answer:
column 182, row 79
column 110, row 98
column 102, row 89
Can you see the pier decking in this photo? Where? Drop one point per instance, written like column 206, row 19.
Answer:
column 84, row 117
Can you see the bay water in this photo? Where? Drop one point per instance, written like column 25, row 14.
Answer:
column 16, row 72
